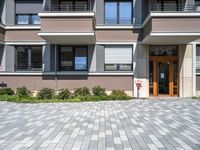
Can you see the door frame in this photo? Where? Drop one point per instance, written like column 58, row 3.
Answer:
column 160, row 59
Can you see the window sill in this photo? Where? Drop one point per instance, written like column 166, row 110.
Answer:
column 14, row 27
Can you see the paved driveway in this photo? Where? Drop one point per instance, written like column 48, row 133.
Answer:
column 139, row 124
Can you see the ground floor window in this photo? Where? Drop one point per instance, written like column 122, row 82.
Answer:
column 118, row 58
column 29, row 58
column 73, row 58
column 198, row 59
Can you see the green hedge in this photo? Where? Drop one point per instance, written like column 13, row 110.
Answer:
column 46, row 95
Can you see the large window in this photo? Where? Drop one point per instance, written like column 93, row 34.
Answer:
column 28, row 58
column 198, row 59
column 73, row 58
column 118, row 58
column 118, row 12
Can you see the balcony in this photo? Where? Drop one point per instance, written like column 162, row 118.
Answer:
column 68, row 24
column 172, row 24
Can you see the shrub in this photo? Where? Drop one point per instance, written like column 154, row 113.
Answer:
column 63, row 94
column 119, row 95
column 84, row 91
column 23, row 92
column 46, row 93
column 6, row 91
column 98, row 91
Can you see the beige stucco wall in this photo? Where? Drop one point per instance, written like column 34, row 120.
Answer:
column 60, row 24
column 23, row 35
column 185, row 70
column 35, row 83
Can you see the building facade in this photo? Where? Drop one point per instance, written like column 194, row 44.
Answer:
column 112, row 43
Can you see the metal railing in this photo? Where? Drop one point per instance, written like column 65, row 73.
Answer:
column 69, row 8
column 36, row 67
column 125, row 21
column 175, row 8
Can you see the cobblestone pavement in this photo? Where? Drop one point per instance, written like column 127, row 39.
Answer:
column 138, row 124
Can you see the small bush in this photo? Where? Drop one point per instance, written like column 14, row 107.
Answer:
column 98, row 91
column 63, row 94
column 46, row 93
column 6, row 91
column 23, row 92
column 84, row 91
column 119, row 95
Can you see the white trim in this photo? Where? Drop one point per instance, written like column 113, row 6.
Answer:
column 25, row 43
column 1, row 42
column 175, row 34
column 114, row 27
column 197, row 73
column 61, row 14
column 20, row 27
column 2, row 26
column 116, row 43
column 174, row 14
column 66, row 34
column 65, row 73
column 20, row 73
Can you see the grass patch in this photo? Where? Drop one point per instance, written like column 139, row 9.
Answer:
column 90, row 98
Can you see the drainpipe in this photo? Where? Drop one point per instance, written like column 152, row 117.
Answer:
column 56, row 78
column 194, row 69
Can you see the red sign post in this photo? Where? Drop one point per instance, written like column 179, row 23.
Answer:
column 138, row 85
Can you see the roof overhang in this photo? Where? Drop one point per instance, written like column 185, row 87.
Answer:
column 69, row 38
column 170, row 38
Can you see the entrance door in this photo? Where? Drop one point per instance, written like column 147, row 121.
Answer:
column 163, row 78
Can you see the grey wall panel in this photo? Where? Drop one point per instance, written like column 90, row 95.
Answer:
column 100, row 12
column 2, row 58
column 10, row 12
column 28, row 8
column 46, row 58
column 10, row 58
column 100, row 54
column 91, row 58
column 52, row 58
column 137, row 12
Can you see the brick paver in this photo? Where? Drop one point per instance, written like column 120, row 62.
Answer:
column 138, row 124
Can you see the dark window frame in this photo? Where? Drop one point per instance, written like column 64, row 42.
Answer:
column 118, row 12
column 29, row 66
column 74, row 55
column 118, row 68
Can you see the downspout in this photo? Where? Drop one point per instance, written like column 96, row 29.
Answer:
column 56, row 77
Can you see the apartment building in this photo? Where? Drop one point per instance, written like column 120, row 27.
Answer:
column 111, row 43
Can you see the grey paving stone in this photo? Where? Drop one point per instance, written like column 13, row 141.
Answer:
column 164, row 123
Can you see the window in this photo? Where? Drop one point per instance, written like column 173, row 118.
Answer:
column 73, row 58
column 118, row 58
column 27, row 19
column 26, row 11
column 29, row 58
column 198, row 59
column 118, row 12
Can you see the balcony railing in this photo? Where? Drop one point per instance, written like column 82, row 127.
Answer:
column 175, row 8
column 69, row 8
column 36, row 67
column 121, row 20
